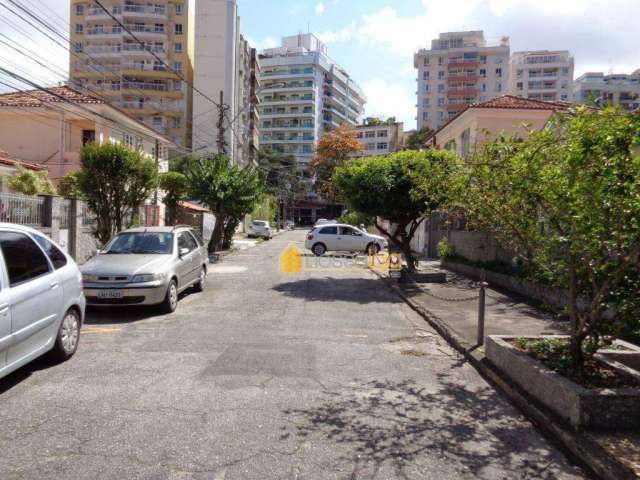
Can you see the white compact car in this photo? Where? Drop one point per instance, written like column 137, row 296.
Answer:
column 342, row 238
column 260, row 228
column 41, row 301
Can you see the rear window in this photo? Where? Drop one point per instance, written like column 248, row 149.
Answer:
column 259, row 223
column 329, row 231
column 57, row 258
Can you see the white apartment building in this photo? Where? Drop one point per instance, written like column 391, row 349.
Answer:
column 224, row 72
column 459, row 69
column 542, row 75
column 614, row 89
column 380, row 138
column 304, row 93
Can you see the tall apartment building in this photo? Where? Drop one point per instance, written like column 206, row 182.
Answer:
column 303, row 94
column 542, row 75
column 459, row 69
column 614, row 89
column 380, row 138
column 225, row 71
column 107, row 60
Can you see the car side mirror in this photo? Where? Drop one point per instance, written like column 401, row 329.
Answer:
column 183, row 252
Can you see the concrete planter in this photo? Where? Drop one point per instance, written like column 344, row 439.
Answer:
column 603, row 409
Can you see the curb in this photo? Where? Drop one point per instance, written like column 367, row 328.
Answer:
column 581, row 446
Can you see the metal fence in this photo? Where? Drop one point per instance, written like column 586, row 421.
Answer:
column 22, row 209
column 65, row 213
column 88, row 217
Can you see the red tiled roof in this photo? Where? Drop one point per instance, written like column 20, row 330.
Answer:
column 508, row 102
column 6, row 159
column 192, row 206
column 38, row 98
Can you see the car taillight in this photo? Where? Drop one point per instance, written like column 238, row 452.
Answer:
column 310, row 236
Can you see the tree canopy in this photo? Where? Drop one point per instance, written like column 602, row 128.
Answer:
column 568, row 201
column 28, row 182
column 402, row 188
column 175, row 186
column 416, row 139
column 115, row 181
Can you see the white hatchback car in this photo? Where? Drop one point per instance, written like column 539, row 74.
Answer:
column 342, row 238
column 41, row 301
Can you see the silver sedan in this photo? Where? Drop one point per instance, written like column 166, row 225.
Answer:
column 146, row 266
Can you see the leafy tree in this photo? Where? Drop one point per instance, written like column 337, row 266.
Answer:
column 334, row 148
column 69, row 185
column 176, row 187
column 568, row 201
column 29, row 182
column 403, row 187
column 356, row 218
column 228, row 190
column 416, row 139
column 115, row 181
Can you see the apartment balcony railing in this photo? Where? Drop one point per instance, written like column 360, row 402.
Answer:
column 287, row 74
column 278, row 126
column 288, row 101
column 160, row 87
column 106, row 87
column 137, row 48
column 462, row 92
column 153, row 29
column 115, row 30
column 463, row 64
column 99, row 12
column 161, row 107
column 288, row 114
column 146, row 67
column 97, row 50
column 145, row 9
column 463, row 78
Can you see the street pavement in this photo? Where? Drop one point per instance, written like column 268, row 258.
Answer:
column 317, row 375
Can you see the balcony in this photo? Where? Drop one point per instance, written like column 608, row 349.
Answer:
column 463, row 78
column 146, row 31
column 133, row 10
column 464, row 64
column 158, row 87
column 288, row 114
column 282, row 75
column 115, row 31
column 151, row 106
column 135, row 49
column 462, row 92
column 298, row 101
column 98, row 13
column 148, row 70
column 286, row 126
column 103, row 50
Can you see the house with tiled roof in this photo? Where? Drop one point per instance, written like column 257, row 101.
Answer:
column 48, row 128
column 479, row 123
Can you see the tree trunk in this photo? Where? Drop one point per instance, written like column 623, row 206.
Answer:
column 216, row 236
column 577, row 336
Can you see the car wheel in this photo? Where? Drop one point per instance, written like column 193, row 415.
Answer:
column 170, row 302
column 319, row 249
column 373, row 249
column 200, row 286
column 68, row 336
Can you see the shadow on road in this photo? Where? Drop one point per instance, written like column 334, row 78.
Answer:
column 394, row 424
column 356, row 290
column 41, row 363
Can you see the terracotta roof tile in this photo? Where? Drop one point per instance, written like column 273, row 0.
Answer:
column 509, row 102
column 192, row 206
column 37, row 98
column 6, row 159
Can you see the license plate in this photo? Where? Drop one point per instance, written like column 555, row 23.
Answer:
column 109, row 293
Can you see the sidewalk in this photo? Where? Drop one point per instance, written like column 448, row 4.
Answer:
column 456, row 304
column 452, row 309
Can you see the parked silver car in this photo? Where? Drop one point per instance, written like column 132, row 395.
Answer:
column 41, row 301
column 260, row 228
column 146, row 266
column 343, row 238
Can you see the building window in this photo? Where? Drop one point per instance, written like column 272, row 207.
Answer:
column 440, row 60
column 177, row 122
column 425, row 116
column 520, row 72
column 307, row 149
column 563, row 97
column 178, row 47
column 426, row 87
column 426, row 61
column 440, row 74
column 425, row 75
column 370, row 146
column 519, row 86
column 79, row 28
column 483, row 59
column 440, row 88
column 177, row 85
column 78, row 46
column 464, row 142
column 499, row 72
column 178, row 29
column 483, row 87
column 441, row 101
column 157, row 122
column 177, row 66
column 565, row 71
column 370, row 134
column 383, row 146
column 498, row 87
column 178, row 9
column 79, row 10
column 440, row 116
column 382, row 133
column 359, row 135
column 483, row 72
column 425, row 102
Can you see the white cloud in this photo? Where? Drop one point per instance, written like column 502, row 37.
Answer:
column 319, row 9
column 267, row 42
column 389, row 100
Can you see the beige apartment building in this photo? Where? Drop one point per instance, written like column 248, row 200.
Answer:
column 107, row 60
column 615, row 89
column 542, row 75
column 380, row 137
column 459, row 69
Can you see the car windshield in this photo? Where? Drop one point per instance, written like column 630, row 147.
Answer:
column 141, row 242
column 260, row 224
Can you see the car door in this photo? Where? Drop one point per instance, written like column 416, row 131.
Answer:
column 188, row 268
column 328, row 236
column 5, row 318
column 350, row 239
column 35, row 296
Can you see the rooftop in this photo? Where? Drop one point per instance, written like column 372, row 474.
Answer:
column 6, row 159
column 39, row 98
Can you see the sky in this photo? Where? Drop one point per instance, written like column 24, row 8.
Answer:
column 374, row 40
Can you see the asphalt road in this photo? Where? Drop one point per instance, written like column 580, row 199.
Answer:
column 317, row 375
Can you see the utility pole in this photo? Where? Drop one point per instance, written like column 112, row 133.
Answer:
column 62, row 143
column 221, row 140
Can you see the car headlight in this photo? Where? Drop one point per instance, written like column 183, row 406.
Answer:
column 147, row 277
column 88, row 278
